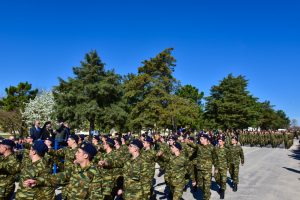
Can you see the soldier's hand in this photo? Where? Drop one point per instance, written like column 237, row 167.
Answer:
column 102, row 163
column 29, row 183
column 216, row 171
column 159, row 153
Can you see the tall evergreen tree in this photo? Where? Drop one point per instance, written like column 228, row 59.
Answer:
column 92, row 95
column 230, row 104
column 17, row 96
column 150, row 95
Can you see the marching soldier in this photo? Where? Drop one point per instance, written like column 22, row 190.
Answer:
column 133, row 171
column 84, row 179
column 205, row 160
column 221, row 165
column 236, row 157
column 9, row 167
column 37, row 168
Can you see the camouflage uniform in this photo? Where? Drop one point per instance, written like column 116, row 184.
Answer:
column 36, row 169
column 108, row 172
column 236, row 156
column 221, row 164
column 83, row 183
column 150, row 159
column 178, row 170
column 134, row 171
column 204, row 167
column 67, row 153
column 9, row 167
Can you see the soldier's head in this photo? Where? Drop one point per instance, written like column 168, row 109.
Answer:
column 95, row 139
column 221, row 141
column 135, row 146
column 6, row 146
column 172, row 140
column 147, row 142
column 72, row 140
column 234, row 140
column 118, row 142
column 176, row 148
column 109, row 143
column 204, row 139
column 29, row 139
column 85, row 152
column 38, row 149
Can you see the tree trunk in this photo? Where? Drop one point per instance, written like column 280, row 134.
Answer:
column 92, row 126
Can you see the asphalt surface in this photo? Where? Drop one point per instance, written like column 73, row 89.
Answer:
column 267, row 174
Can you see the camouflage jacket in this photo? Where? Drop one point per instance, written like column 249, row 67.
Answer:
column 33, row 171
column 9, row 167
column 177, row 168
column 221, row 156
column 236, row 154
column 108, row 172
column 134, row 171
column 83, row 183
column 68, row 154
column 205, row 156
column 150, row 159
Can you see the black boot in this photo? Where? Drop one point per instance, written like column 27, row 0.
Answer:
column 222, row 194
column 235, row 187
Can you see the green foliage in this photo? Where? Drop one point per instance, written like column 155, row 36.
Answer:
column 13, row 104
column 17, row 96
column 92, row 95
column 271, row 119
column 230, row 104
column 150, row 95
column 190, row 92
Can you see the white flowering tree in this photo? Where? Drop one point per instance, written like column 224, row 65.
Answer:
column 40, row 108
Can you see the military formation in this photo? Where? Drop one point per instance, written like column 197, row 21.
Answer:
column 123, row 166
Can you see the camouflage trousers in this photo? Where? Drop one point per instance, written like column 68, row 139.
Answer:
column 204, row 182
column 221, row 177
column 234, row 172
column 147, row 188
column 177, row 191
column 6, row 192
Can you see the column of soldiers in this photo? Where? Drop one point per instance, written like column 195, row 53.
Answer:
column 124, row 166
column 273, row 139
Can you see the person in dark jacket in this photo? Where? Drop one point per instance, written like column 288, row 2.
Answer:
column 35, row 131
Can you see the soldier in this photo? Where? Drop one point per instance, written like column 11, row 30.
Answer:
column 178, row 169
column 236, row 157
column 221, row 165
column 205, row 161
column 108, row 161
column 150, row 158
column 84, row 179
column 37, row 168
column 9, row 167
column 133, row 172
column 68, row 153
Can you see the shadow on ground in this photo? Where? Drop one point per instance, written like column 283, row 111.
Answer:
column 295, row 153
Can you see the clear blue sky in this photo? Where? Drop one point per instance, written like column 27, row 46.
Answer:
column 42, row 40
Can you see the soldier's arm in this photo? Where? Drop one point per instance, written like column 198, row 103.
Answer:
column 10, row 167
column 54, row 180
column 215, row 158
column 242, row 155
column 193, row 145
column 58, row 153
column 95, row 189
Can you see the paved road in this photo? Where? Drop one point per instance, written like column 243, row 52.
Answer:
column 268, row 174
